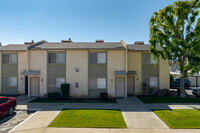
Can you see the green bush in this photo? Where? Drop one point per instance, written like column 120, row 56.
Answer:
column 54, row 95
column 65, row 91
column 171, row 79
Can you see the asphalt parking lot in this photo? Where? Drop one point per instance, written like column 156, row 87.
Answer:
column 9, row 122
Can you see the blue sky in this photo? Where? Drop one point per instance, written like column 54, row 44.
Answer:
column 80, row 20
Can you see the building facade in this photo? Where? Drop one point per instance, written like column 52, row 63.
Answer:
column 35, row 69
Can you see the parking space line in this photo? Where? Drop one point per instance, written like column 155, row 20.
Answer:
column 24, row 121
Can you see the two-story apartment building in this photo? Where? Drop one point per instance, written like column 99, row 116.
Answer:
column 35, row 69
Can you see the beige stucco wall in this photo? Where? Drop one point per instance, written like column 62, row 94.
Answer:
column 115, row 62
column 135, row 64
column 77, row 59
column 21, row 67
column 193, row 81
column 38, row 61
column 164, row 74
column 0, row 74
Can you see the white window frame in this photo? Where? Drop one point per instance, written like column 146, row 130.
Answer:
column 98, row 60
column 57, row 57
column 9, row 58
column 56, row 79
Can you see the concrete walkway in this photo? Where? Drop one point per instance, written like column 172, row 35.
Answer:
column 138, row 116
column 174, row 106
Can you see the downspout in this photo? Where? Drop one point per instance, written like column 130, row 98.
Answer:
column 126, row 65
column 27, row 68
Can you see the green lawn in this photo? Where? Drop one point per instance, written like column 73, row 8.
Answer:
column 43, row 100
column 85, row 118
column 169, row 100
column 180, row 118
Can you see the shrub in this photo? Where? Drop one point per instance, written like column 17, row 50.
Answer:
column 54, row 95
column 171, row 79
column 65, row 91
column 104, row 96
column 163, row 92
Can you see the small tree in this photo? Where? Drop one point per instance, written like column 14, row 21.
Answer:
column 176, row 29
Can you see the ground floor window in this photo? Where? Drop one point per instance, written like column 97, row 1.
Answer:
column 97, row 83
column 151, row 81
column 9, row 81
column 55, row 82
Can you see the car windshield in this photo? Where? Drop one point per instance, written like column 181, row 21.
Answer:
column 3, row 100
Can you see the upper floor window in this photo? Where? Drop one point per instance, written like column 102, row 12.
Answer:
column 9, row 58
column 56, row 58
column 97, row 58
column 148, row 59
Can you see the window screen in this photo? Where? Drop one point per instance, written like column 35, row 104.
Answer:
column 153, row 82
column 152, row 60
column 5, row 58
column 93, row 83
column 101, row 83
column 13, row 59
column 52, row 57
column 52, row 82
column 101, row 58
column 5, row 81
column 59, row 81
column 13, row 81
column 93, row 58
column 146, row 58
column 61, row 58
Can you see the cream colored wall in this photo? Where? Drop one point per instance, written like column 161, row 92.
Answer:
column 38, row 61
column 115, row 62
column 193, row 81
column 21, row 67
column 135, row 64
column 164, row 74
column 77, row 59
column 0, row 74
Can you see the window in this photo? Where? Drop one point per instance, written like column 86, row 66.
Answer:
column 97, row 83
column 97, row 58
column 148, row 59
column 9, row 81
column 151, row 81
column 56, row 82
column 9, row 58
column 56, row 58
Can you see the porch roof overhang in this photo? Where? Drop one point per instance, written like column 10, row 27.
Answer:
column 124, row 73
column 30, row 72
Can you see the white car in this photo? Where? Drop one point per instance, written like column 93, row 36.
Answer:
column 196, row 91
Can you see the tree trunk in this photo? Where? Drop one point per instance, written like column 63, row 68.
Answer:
column 182, row 86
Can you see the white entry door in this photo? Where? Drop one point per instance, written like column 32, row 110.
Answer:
column 35, row 86
column 119, row 87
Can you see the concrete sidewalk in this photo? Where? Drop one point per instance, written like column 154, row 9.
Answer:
column 138, row 116
column 156, row 106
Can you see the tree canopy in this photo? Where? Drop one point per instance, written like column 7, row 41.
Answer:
column 176, row 29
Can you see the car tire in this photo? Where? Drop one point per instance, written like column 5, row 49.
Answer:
column 10, row 111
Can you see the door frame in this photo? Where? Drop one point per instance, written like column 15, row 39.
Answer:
column 124, row 86
column 38, row 85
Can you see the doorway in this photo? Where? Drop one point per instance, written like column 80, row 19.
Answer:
column 119, row 87
column 130, row 86
column 26, row 85
column 35, row 86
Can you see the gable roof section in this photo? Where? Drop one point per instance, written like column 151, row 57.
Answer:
column 14, row 47
column 80, row 45
column 140, row 47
